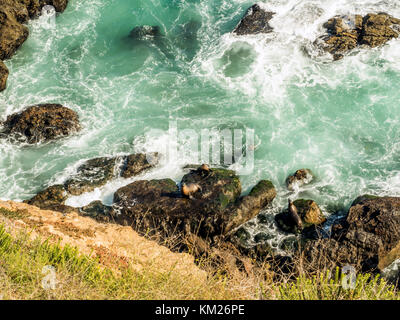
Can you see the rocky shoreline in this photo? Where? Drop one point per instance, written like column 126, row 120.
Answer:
column 368, row 238
column 208, row 217
column 13, row 33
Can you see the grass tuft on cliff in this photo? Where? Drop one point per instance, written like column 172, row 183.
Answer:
column 26, row 265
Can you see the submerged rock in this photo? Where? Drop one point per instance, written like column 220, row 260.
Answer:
column 158, row 208
column 348, row 32
column 141, row 32
column 368, row 238
column 3, row 76
column 256, row 20
column 41, row 123
column 309, row 213
column 299, row 178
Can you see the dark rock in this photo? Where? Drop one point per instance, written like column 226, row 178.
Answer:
column 53, row 198
column 97, row 210
column 137, row 163
column 157, row 204
column 92, row 174
column 299, row 178
column 158, row 207
column 309, row 213
column 248, row 207
column 141, row 32
column 241, row 237
column 12, row 33
column 368, row 239
column 97, row 172
column 3, row 76
column 53, row 194
column 263, row 236
column 363, row 198
column 41, row 123
column 346, row 33
column 256, row 20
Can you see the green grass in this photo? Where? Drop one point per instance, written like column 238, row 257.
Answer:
column 330, row 287
column 79, row 276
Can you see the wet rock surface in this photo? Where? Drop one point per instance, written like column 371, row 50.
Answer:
column 256, row 20
column 310, row 214
column 135, row 164
column 3, row 76
column 97, row 172
column 41, row 123
column 13, row 32
column 247, row 207
column 299, row 178
column 368, row 238
column 345, row 33
column 141, row 32
column 92, row 174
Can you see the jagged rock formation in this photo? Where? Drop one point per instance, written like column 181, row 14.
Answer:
column 346, row 33
column 256, row 20
column 90, row 175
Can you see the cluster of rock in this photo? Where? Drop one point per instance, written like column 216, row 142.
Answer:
column 158, row 207
column 368, row 238
column 39, row 123
column 142, row 32
column 13, row 32
column 346, row 33
column 92, row 174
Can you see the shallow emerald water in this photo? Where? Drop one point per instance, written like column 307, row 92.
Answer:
column 338, row 119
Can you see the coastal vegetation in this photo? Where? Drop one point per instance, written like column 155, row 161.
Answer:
column 83, row 276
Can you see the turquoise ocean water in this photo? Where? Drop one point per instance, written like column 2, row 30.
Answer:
column 339, row 119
